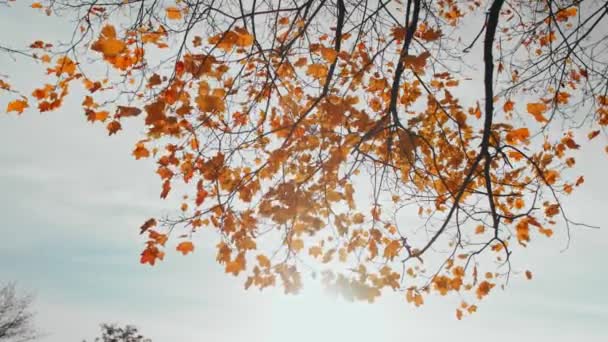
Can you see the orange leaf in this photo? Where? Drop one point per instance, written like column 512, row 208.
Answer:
column 150, row 254
column 147, row 225
column 166, row 189
column 392, row 249
column 237, row 265
column 36, row 5
column 96, row 116
column 318, row 71
column 108, row 44
column 328, row 54
column 508, row 106
column 173, row 13
column 123, row 111
column 593, row 134
column 113, row 127
column 263, row 261
column 141, row 151
column 185, row 247
column 537, row 110
column 416, row 63
column 483, row 289
column 17, row 106
column 517, row 135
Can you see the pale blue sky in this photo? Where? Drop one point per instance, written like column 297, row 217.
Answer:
column 71, row 200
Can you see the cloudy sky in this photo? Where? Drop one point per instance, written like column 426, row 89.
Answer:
column 71, row 200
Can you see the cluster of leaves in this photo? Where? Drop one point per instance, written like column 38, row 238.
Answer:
column 338, row 138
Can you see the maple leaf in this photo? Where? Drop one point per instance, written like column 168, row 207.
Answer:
column 483, row 289
column 113, row 127
column 150, row 254
column 593, row 134
column 108, row 44
column 166, row 189
column 17, row 106
column 517, row 135
column 237, row 265
column 508, row 106
column 173, row 13
column 185, row 247
column 416, row 63
column 318, row 71
column 537, row 109
column 328, row 54
column 263, row 261
column 124, row 111
column 96, row 116
column 315, row 251
column 392, row 249
column 141, row 151
column 147, row 225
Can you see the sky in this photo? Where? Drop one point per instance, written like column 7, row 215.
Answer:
column 72, row 199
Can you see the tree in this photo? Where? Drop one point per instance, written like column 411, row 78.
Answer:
column 15, row 316
column 341, row 138
column 115, row 333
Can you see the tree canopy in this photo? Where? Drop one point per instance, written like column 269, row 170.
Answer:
column 16, row 316
column 377, row 145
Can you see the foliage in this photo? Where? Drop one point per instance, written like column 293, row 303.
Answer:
column 341, row 138
column 16, row 319
column 115, row 333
